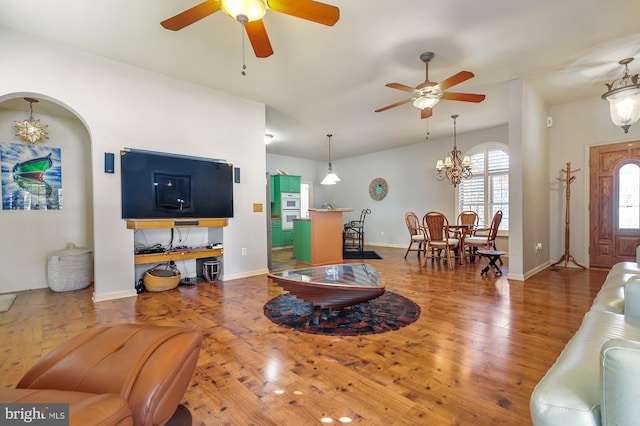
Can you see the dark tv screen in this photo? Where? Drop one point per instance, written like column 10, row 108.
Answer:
column 157, row 185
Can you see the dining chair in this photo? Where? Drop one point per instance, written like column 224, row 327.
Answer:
column 484, row 237
column 467, row 218
column 416, row 234
column 439, row 237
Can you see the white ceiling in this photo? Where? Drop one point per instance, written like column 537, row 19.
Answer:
column 324, row 79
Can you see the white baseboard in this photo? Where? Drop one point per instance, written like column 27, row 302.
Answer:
column 227, row 277
column 114, row 295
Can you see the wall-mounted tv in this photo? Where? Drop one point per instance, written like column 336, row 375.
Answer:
column 158, row 185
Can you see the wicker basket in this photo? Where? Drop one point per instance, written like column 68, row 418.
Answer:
column 162, row 277
column 70, row 268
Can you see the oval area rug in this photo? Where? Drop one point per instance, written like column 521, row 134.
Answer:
column 388, row 312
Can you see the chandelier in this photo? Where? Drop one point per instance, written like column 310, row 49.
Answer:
column 624, row 98
column 454, row 168
column 331, row 177
column 31, row 130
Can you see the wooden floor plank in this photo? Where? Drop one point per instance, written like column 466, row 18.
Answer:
column 473, row 357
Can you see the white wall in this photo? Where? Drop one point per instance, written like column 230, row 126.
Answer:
column 576, row 127
column 308, row 170
column 123, row 106
column 535, row 191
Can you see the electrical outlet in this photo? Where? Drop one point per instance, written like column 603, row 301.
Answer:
column 244, row 251
column 538, row 247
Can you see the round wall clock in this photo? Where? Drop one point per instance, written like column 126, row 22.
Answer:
column 378, row 189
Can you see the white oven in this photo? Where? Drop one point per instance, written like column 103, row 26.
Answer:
column 290, row 201
column 287, row 218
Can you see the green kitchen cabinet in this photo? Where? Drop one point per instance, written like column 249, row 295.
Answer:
column 276, row 232
column 285, row 183
column 287, row 237
column 282, row 184
column 302, row 240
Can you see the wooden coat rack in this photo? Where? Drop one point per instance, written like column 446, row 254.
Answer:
column 567, row 257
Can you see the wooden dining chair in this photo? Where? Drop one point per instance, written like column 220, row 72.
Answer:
column 439, row 237
column 416, row 234
column 485, row 238
column 467, row 218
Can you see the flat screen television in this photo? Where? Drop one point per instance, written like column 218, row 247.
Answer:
column 158, row 185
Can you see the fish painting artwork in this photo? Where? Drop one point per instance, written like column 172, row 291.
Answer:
column 31, row 177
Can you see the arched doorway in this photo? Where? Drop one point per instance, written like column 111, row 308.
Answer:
column 32, row 235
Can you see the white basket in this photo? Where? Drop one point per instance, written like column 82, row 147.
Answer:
column 210, row 270
column 70, row 269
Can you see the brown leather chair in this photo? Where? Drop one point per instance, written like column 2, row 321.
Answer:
column 148, row 367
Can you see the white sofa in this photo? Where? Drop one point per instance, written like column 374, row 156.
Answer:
column 596, row 378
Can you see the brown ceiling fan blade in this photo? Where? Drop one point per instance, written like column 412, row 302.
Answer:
column 426, row 112
column 406, row 101
column 259, row 39
column 401, row 87
column 455, row 79
column 192, row 15
column 307, row 9
column 466, row 97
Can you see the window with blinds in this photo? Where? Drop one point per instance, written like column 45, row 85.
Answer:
column 488, row 190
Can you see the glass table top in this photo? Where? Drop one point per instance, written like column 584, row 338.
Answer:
column 348, row 274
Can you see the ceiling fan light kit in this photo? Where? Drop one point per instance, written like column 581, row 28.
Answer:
column 624, row 98
column 244, row 10
column 425, row 102
column 427, row 95
column 250, row 13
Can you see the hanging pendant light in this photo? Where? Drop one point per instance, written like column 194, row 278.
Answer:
column 624, row 98
column 331, row 177
column 31, row 130
column 454, row 168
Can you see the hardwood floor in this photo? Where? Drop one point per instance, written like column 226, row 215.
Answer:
column 472, row 358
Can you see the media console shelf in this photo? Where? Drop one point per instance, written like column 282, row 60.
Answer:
column 141, row 259
column 197, row 253
column 175, row 223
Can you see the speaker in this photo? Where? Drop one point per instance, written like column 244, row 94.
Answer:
column 236, row 175
column 108, row 162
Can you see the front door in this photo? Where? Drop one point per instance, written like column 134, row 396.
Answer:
column 614, row 196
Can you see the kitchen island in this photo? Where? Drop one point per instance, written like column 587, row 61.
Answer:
column 319, row 239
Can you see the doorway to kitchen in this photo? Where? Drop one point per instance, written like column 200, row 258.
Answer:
column 281, row 257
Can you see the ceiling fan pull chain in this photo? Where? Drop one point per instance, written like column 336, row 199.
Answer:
column 428, row 132
column 244, row 66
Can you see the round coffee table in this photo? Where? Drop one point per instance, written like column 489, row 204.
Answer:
column 332, row 286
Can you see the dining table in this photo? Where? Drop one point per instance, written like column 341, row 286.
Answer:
column 461, row 231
